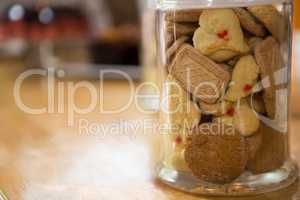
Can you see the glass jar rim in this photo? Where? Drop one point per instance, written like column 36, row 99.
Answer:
column 183, row 4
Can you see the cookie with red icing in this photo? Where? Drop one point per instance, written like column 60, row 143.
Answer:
column 244, row 77
column 220, row 35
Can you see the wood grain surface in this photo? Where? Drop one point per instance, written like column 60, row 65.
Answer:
column 42, row 158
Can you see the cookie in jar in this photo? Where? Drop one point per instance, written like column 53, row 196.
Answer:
column 226, row 75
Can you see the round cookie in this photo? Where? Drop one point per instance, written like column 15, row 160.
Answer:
column 216, row 153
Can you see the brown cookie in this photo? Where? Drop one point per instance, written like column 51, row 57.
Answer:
column 216, row 155
column 183, row 15
column 172, row 50
column 272, row 19
column 178, row 29
column 198, row 74
column 272, row 152
column 253, row 42
column 269, row 59
column 253, row 144
column 249, row 22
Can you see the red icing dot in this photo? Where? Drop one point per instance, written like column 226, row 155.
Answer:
column 247, row 88
column 230, row 112
column 223, row 35
column 178, row 140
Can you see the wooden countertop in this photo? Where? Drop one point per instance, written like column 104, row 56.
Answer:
column 41, row 158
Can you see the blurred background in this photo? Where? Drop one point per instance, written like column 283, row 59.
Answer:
column 78, row 36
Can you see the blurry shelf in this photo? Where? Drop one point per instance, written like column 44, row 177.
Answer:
column 85, row 70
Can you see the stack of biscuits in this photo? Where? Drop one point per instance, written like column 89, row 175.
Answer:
column 222, row 94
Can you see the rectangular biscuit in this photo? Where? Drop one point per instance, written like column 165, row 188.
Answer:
column 269, row 59
column 272, row 19
column 198, row 74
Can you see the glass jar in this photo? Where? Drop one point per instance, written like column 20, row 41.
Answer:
column 148, row 56
column 225, row 95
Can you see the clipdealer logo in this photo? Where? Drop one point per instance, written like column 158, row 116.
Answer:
column 56, row 92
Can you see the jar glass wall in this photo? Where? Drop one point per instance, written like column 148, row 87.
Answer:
column 148, row 55
column 225, row 95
